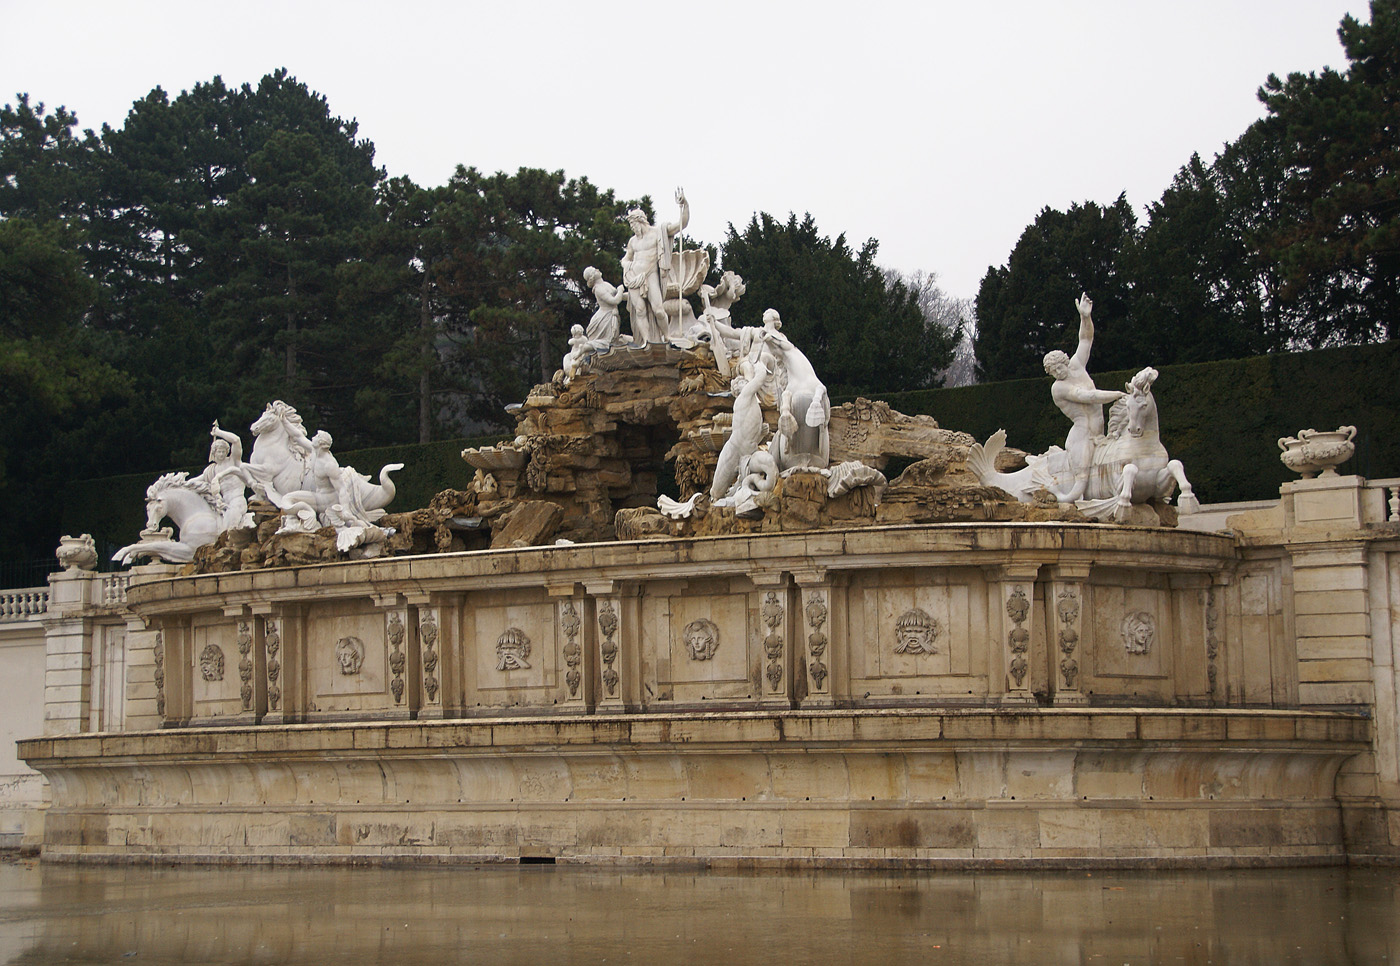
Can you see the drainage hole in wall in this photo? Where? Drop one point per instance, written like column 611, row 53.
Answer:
column 537, row 860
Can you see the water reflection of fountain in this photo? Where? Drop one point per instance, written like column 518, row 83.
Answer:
column 65, row 913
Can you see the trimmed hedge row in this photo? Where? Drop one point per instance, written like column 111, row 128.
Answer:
column 1221, row 419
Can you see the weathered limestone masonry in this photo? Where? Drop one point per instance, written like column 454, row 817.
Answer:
column 969, row 694
column 1330, row 551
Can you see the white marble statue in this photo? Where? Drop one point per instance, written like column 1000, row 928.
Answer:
column 715, row 325
column 190, row 504
column 606, row 324
column 747, row 430
column 578, row 348
column 581, row 348
column 1128, row 465
column 647, row 272
column 804, row 440
column 1078, row 398
column 302, row 477
column 278, row 461
column 227, row 479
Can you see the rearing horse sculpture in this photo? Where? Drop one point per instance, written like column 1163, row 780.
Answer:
column 1130, row 463
column 300, row 476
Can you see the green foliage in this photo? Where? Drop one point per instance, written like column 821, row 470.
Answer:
column 1337, row 239
column 860, row 333
column 1026, row 308
column 1221, row 419
column 42, row 163
column 52, row 387
column 1289, row 238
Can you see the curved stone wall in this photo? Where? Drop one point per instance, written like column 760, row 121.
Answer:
column 987, row 614
column 972, row 787
column 984, row 694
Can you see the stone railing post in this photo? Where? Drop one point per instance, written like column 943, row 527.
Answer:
column 68, row 648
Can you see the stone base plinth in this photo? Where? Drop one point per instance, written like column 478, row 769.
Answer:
column 910, row 787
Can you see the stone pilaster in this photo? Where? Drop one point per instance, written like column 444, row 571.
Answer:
column 613, row 632
column 427, row 639
column 243, row 666
column 141, row 713
column 575, row 658
column 1065, row 596
column 817, row 651
column 1011, row 612
column 278, row 632
column 773, row 634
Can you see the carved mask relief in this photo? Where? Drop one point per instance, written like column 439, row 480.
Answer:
column 1138, row 629
column 512, row 648
column 211, row 663
column 350, row 655
column 915, row 632
column 701, row 639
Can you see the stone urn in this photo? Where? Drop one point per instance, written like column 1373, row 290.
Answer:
column 1313, row 451
column 77, row 553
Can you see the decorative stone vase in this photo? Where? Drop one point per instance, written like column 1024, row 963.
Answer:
column 1326, row 449
column 77, row 553
column 1293, row 458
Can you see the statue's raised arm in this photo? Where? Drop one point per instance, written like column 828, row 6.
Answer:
column 1086, row 330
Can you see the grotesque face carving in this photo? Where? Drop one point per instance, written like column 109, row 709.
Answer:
column 512, row 649
column 701, row 639
column 915, row 632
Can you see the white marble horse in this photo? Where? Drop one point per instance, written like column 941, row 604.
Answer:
column 1130, row 464
column 279, row 461
column 190, row 505
column 300, row 475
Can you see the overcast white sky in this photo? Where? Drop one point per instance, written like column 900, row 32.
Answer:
column 938, row 128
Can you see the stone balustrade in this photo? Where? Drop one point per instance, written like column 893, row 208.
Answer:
column 23, row 603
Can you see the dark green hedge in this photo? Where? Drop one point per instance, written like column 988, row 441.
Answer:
column 113, row 509
column 1221, row 419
